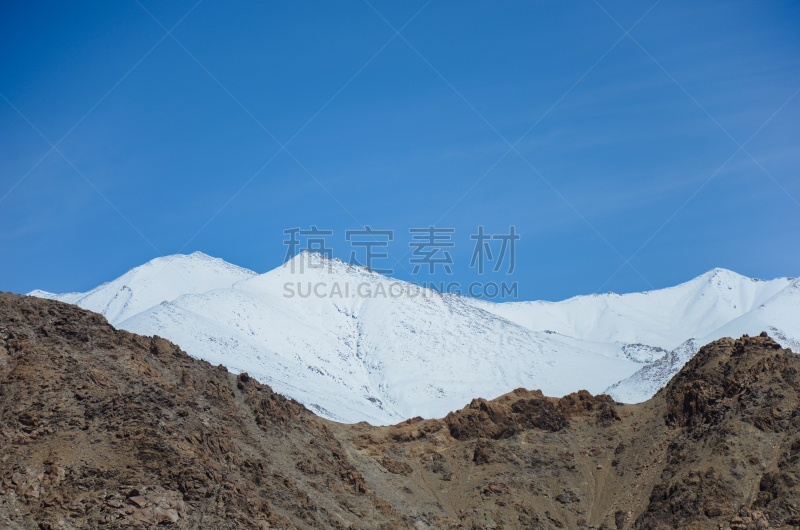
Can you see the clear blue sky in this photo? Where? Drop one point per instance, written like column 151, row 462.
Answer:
column 165, row 137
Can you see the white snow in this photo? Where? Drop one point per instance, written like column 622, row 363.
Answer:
column 664, row 318
column 779, row 316
column 382, row 350
column 160, row 280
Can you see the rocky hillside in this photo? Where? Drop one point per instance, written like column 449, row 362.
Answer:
column 101, row 427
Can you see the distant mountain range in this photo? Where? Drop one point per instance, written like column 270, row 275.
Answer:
column 380, row 350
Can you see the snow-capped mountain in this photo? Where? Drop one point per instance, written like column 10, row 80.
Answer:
column 160, row 280
column 380, row 350
column 779, row 316
column 664, row 318
column 368, row 347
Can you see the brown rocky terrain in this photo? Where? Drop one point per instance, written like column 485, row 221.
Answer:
column 103, row 428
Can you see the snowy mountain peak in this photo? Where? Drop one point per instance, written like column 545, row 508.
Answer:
column 729, row 277
column 314, row 261
column 161, row 279
column 663, row 318
column 196, row 258
column 723, row 277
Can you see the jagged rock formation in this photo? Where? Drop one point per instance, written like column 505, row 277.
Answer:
column 101, row 427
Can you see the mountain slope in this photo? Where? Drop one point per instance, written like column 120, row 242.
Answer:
column 104, row 428
column 373, row 357
column 779, row 316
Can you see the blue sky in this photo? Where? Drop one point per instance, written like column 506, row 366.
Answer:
column 253, row 117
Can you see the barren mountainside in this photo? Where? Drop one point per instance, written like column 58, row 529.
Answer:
column 102, row 427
